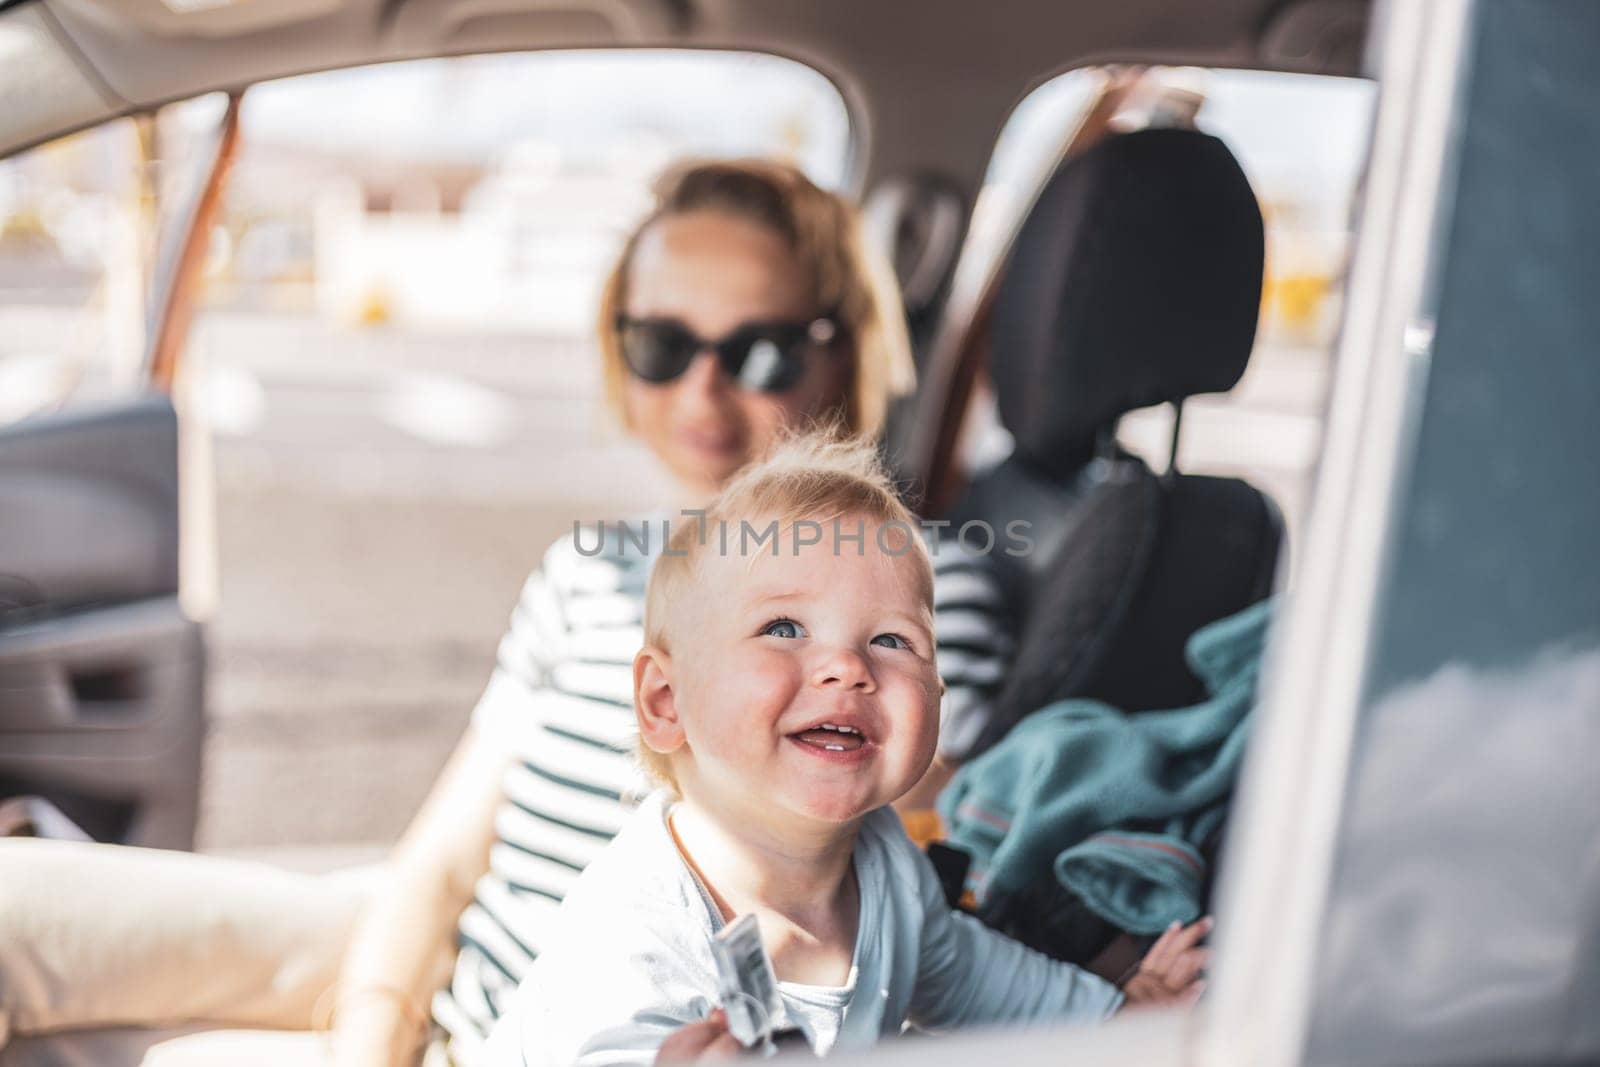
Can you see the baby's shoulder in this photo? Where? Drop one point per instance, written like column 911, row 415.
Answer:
column 884, row 845
column 640, row 864
column 629, row 961
column 639, row 888
column 629, row 902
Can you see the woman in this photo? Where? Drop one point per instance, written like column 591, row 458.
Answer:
column 744, row 305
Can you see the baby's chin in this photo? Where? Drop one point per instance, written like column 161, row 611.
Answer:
column 836, row 807
column 844, row 796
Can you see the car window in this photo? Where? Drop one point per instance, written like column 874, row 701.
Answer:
column 1302, row 142
column 80, row 222
column 395, row 361
column 1466, row 832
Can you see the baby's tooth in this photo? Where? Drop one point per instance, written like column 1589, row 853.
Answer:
column 834, row 748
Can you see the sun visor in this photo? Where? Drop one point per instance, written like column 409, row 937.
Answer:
column 205, row 18
column 42, row 88
column 490, row 25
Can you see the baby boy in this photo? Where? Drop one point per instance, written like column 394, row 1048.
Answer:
column 786, row 696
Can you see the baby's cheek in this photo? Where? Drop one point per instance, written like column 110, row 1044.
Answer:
column 925, row 727
column 759, row 690
column 933, row 695
column 770, row 684
column 930, row 737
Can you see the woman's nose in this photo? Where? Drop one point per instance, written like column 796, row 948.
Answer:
column 844, row 668
column 705, row 374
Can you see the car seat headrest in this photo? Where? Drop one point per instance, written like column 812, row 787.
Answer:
column 1135, row 280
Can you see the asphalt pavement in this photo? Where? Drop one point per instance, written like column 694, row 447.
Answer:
column 381, row 494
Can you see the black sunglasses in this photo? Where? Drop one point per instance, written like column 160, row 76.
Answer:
column 767, row 357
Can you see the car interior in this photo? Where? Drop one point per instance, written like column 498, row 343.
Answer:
column 1128, row 279
column 102, row 678
column 1409, row 872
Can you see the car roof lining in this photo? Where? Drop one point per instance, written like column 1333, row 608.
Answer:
column 895, row 64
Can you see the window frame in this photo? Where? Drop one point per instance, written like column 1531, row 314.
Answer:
column 1274, row 888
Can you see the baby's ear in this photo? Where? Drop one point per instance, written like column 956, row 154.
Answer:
column 655, row 702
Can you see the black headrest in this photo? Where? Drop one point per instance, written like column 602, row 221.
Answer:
column 1135, row 280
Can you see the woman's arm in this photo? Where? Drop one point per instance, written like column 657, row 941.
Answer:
column 403, row 946
column 404, row 941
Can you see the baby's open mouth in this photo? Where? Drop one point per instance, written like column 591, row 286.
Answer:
column 831, row 738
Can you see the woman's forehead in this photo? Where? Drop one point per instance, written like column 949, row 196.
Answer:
column 707, row 262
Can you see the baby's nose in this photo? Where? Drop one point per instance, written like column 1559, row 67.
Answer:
column 844, row 668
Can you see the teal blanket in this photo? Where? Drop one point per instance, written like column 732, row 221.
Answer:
column 1114, row 805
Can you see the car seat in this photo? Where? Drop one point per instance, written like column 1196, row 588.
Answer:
column 1134, row 281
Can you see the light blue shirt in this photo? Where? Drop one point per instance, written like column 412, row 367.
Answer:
column 629, row 960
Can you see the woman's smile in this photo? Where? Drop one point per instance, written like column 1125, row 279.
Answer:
column 719, row 441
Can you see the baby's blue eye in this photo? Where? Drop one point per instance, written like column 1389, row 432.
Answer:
column 783, row 628
column 895, row 641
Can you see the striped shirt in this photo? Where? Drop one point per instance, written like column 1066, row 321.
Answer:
column 561, row 701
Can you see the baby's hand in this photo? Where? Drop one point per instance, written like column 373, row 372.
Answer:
column 707, row 1039
column 1170, row 971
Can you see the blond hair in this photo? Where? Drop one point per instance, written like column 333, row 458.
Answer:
column 820, row 476
column 823, row 230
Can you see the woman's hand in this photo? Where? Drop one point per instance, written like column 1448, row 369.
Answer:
column 377, row 1030
column 1170, row 972
column 400, row 948
column 707, row 1039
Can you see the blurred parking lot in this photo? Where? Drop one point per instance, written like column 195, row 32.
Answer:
column 380, row 497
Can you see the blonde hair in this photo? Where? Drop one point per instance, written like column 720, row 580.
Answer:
column 851, row 280
column 820, row 476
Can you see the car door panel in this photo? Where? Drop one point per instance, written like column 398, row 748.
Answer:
column 90, row 506
column 101, row 672
column 80, row 540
